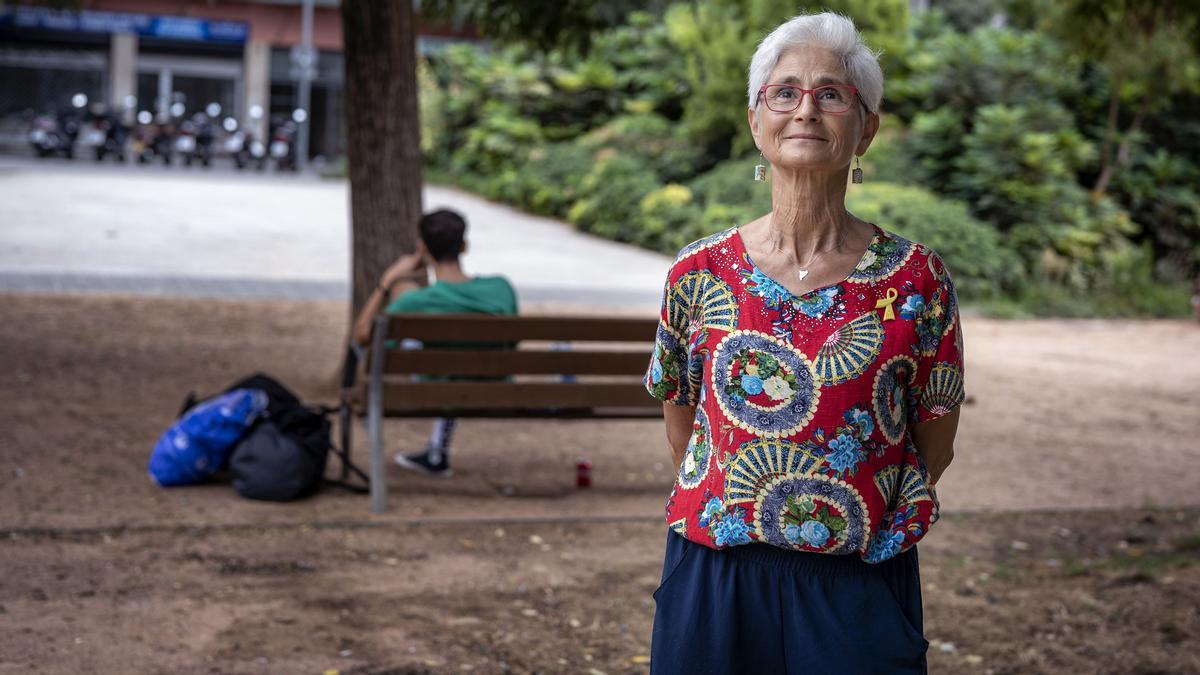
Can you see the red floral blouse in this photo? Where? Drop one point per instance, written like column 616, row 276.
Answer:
column 804, row 403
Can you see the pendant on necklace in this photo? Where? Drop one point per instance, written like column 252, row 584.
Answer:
column 803, row 273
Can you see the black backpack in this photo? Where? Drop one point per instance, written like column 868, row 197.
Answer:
column 284, row 454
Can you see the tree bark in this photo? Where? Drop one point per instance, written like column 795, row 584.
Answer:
column 383, row 133
column 1123, row 149
column 1110, row 132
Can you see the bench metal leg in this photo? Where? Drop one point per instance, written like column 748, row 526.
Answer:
column 375, row 416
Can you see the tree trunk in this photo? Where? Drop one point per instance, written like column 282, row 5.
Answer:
column 1123, row 149
column 383, row 149
column 1110, row 132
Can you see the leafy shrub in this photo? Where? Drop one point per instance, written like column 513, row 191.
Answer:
column 973, row 250
column 670, row 218
column 731, row 184
column 651, row 138
column 501, row 139
column 1161, row 189
column 547, row 183
column 610, row 197
column 888, row 158
column 966, row 71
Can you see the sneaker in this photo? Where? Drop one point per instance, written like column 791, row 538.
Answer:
column 422, row 461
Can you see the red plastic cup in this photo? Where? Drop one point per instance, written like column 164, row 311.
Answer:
column 583, row 473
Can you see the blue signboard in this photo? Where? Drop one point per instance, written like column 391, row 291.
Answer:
column 145, row 25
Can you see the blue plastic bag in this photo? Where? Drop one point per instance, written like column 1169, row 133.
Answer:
column 198, row 444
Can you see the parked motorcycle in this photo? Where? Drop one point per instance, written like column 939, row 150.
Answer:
column 46, row 138
column 184, row 142
column 242, row 147
column 283, row 145
column 105, row 134
column 152, row 139
column 205, row 139
column 55, row 134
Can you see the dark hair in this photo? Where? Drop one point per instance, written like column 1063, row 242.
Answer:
column 444, row 232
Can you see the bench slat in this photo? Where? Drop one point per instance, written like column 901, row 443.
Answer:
column 654, row 413
column 435, row 396
column 481, row 327
column 520, row 362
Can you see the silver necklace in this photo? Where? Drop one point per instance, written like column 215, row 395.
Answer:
column 803, row 270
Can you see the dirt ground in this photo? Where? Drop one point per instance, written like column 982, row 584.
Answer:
column 1070, row 539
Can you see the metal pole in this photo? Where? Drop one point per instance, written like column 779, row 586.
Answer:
column 304, row 93
column 375, row 414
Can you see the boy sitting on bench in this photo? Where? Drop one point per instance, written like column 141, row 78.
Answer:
column 442, row 244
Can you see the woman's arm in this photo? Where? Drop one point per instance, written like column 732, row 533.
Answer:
column 935, row 442
column 679, row 419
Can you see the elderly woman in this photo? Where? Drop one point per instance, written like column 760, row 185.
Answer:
column 810, row 365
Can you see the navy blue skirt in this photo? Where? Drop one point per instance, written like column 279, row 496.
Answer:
column 762, row 609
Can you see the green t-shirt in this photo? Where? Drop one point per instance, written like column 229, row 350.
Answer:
column 480, row 295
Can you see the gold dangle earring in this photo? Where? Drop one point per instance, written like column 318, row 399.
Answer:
column 856, row 175
column 760, row 169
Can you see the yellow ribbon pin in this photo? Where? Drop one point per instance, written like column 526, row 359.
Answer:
column 889, row 313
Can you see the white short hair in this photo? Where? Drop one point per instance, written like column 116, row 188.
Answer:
column 829, row 30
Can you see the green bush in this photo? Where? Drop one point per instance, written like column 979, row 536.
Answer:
column 554, row 173
column 610, row 197
column 547, row 183
column 731, row 183
column 888, row 158
column 652, row 139
column 1163, row 189
column 500, row 140
column 670, row 219
column 987, row 151
column 973, row 250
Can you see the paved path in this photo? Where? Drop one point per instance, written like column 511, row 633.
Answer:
column 80, row 227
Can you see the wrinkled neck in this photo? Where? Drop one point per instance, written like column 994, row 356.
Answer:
column 808, row 211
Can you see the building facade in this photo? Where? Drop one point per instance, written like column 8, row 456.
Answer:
column 150, row 55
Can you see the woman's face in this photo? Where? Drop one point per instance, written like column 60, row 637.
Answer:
column 808, row 139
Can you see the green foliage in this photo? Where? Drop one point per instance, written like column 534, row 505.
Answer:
column 715, row 46
column 1147, row 46
column 552, row 177
column 501, row 138
column 1163, row 190
column 570, row 24
column 730, row 184
column 990, row 141
column 429, row 100
column 976, row 255
column 610, row 197
column 716, row 40
column 652, row 139
column 670, row 218
column 963, row 72
column 888, row 158
column 1018, row 164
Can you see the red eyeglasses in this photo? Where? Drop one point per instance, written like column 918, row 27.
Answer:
column 834, row 99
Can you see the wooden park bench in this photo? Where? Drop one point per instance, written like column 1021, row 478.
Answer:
column 527, row 367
